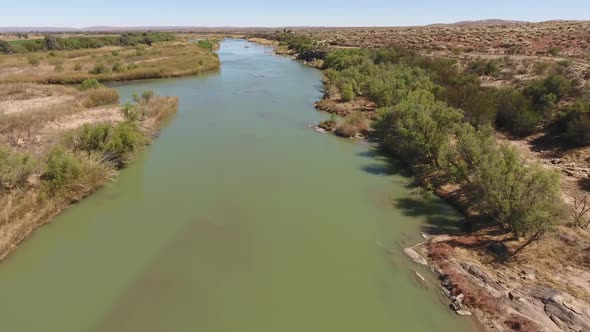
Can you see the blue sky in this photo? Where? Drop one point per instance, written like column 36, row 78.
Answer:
column 79, row 13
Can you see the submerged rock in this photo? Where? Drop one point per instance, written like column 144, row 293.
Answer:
column 416, row 257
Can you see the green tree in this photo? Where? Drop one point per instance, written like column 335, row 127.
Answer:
column 524, row 198
column 419, row 127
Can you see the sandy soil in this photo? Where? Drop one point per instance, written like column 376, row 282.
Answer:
column 33, row 104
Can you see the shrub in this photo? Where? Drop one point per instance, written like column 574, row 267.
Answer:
column 90, row 84
column 58, row 68
column 346, row 130
column 78, row 67
column 94, row 137
column 5, row 47
column 131, row 66
column 206, row 44
column 483, row 67
column 99, row 68
column 515, row 112
column 51, row 43
column 347, row 92
column 118, row 68
column 130, row 112
column 554, row 51
column 115, row 53
column 330, row 124
column 63, row 168
column 34, row 60
column 100, row 96
column 477, row 103
column 126, row 138
column 574, row 124
column 15, row 168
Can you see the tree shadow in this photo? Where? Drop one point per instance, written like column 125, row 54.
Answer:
column 383, row 163
column 584, row 184
column 440, row 217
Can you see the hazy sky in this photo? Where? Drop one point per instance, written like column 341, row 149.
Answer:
column 80, row 13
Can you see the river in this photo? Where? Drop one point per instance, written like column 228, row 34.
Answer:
column 239, row 218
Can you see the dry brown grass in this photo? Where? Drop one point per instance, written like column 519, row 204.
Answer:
column 100, row 97
column 167, row 59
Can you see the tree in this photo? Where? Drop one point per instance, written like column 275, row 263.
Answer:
column 524, row 198
column 419, row 128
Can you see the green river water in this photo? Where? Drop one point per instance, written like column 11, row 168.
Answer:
column 239, row 218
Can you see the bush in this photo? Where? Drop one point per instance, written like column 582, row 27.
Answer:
column 515, row 112
column 100, row 96
column 51, row 43
column 34, row 60
column 574, row 124
column 118, row 68
column 483, row 67
column 347, row 92
column 554, row 51
column 130, row 112
column 58, row 68
column 346, row 130
column 90, row 84
column 63, row 168
column 206, row 44
column 78, row 67
column 5, row 47
column 15, row 168
column 545, row 93
column 99, row 68
column 477, row 103
column 94, row 138
column 126, row 138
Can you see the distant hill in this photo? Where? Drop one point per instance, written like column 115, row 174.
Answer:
column 211, row 29
column 481, row 22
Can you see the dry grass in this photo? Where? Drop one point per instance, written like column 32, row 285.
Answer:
column 159, row 108
column 99, row 97
column 167, row 59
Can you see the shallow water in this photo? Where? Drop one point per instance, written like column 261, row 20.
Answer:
column 237, row 218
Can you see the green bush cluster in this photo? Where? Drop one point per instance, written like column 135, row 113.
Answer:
column 439, row 121
column 15, row 168
column 90, row 84
column 63, row 168
column 573, row 124
column 51, row 42
column 115, row 143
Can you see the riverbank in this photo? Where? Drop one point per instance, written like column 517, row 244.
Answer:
column 60, row 144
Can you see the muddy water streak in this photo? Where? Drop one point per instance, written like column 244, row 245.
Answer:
column 238, row 219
